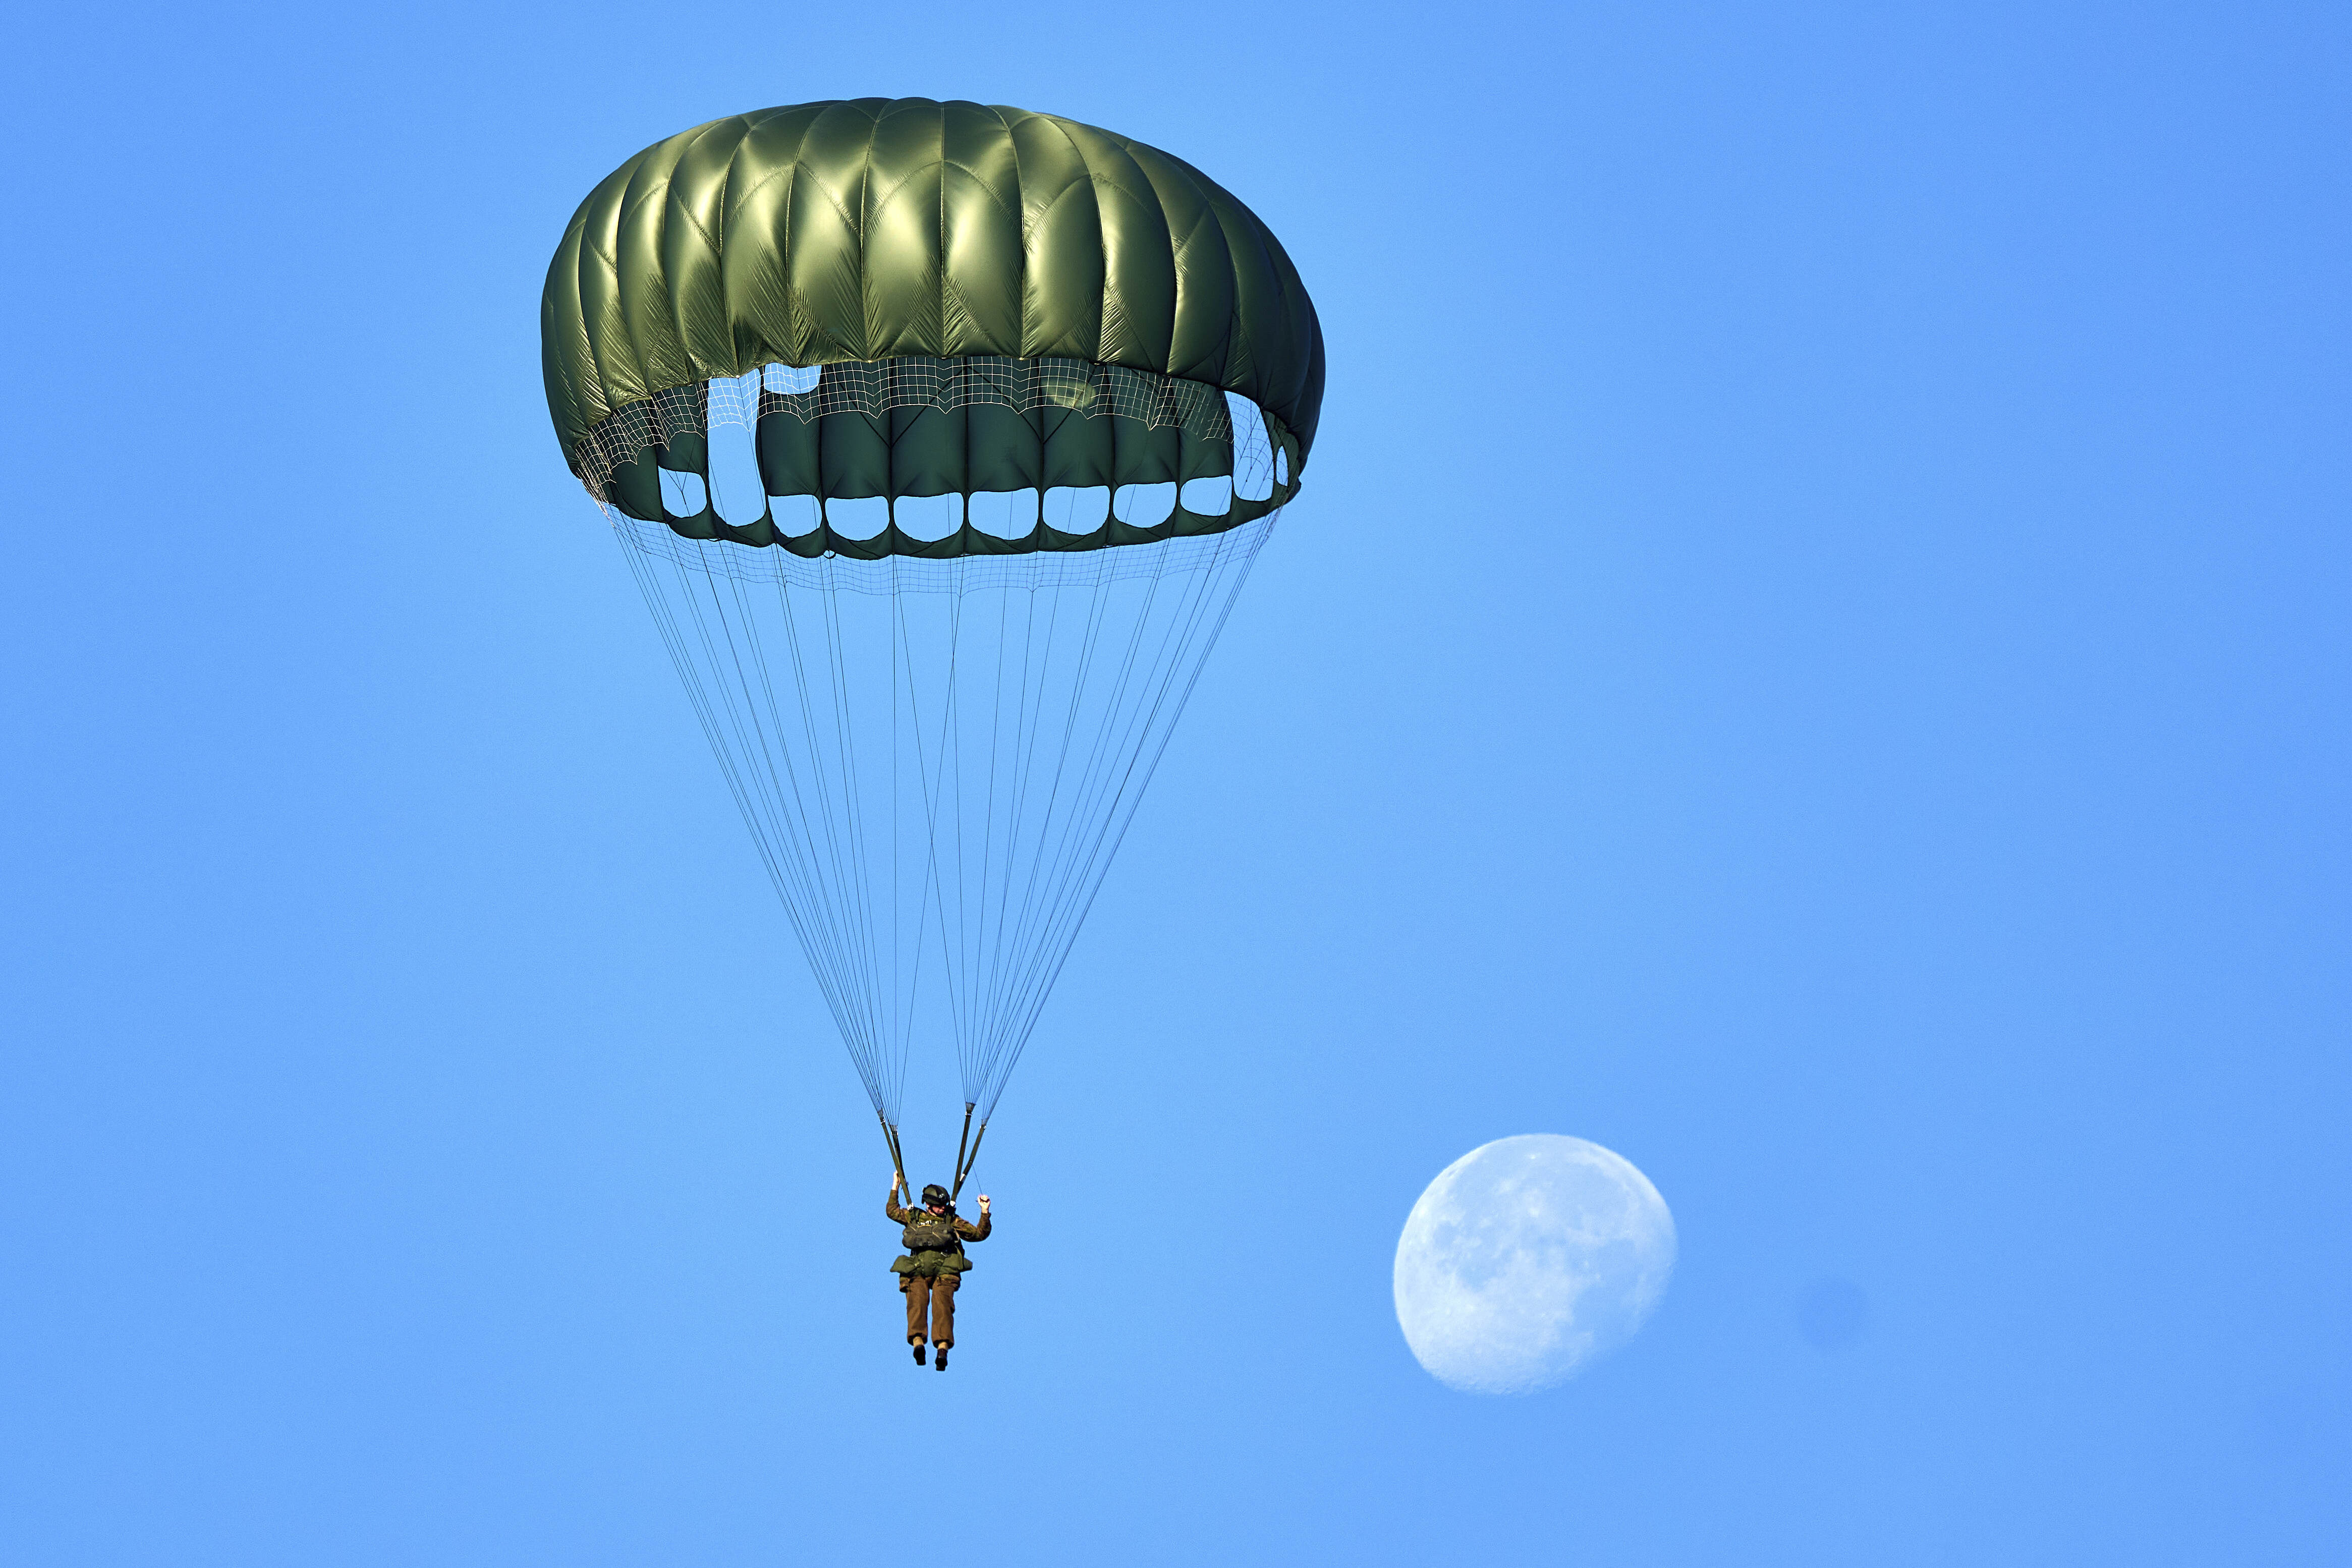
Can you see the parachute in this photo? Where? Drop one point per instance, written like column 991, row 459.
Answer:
column 939, row 439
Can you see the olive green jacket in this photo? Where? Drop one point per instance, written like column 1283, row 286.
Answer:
column 932, row 1261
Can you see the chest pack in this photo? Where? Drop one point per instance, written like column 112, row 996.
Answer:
column 929, row 1232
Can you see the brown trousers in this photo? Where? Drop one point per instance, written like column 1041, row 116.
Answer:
column 937, row 1295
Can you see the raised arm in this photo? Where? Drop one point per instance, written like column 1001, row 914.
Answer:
column 890, row 1209
column 970, row 1231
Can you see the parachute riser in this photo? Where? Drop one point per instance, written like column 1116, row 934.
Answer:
column 961, row 1138
column 890, row 1138
column 967, row 1154
column 964, row 1166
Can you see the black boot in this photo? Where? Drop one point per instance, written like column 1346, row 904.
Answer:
column 918, row 1353
column 943, row 1358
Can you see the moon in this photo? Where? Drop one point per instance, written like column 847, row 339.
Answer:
column 1526, row 1260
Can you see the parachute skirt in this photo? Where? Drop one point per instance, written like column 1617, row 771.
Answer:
column 989, row 456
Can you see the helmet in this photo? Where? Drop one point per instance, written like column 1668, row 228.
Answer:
column 935, row 1193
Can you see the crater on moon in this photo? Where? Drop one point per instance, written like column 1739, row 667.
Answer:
column 1528, row 1257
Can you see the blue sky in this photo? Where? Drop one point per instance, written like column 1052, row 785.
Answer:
column 1812, row 653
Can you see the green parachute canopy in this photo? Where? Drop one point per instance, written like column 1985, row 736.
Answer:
column 940, row 440
column 995, row 302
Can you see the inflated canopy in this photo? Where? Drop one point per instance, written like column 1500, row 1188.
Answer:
column 924, row 258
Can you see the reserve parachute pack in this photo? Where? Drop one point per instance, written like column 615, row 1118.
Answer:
column 929, row 1232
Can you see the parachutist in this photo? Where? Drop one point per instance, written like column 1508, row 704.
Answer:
column 931, row 1271
column 1158, row 407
